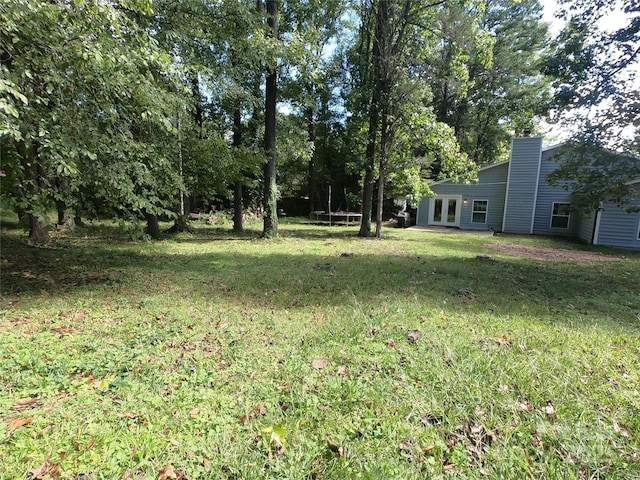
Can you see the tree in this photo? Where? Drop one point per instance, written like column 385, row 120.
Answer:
column 487, row 77
column 392, row 35
column 598, row 175
column 596, row 97
column 72, row 68
column 312, row 72
column 595, row 73
column 270, row 228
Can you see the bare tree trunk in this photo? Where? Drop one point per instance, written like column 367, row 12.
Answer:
column 311, row 125
column 38, row 233
column 384, row 137
column 153, row 228
column 367, row 188
column 237, row 191
column 270, row 228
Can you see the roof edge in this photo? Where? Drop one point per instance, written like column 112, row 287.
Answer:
column 486, row 167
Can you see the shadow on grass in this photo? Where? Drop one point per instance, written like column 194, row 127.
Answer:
column 298, row 280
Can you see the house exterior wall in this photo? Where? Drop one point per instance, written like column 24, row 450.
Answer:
column 618, row 228
column 586, row 226
column 491, row 187
column 522, row 184
column 519, row 200
column 422, row 214
column 547, row 196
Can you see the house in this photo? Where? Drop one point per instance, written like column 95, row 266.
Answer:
column 514, row 197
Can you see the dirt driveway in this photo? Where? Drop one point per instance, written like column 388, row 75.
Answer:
column 551, row 254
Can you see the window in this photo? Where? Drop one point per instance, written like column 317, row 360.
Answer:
column 479, row 213
column 437, row 213
column 560, row 215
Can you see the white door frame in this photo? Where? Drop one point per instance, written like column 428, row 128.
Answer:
column 445, row 210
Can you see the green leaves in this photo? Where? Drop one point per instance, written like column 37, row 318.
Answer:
column 276, row 435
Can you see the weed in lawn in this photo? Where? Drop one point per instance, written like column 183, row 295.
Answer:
column 219, row 355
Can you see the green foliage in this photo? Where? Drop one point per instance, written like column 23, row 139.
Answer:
column 598, row 175
column 488, row 76
column 96, row 105
column 594, row 65
column 101, row 375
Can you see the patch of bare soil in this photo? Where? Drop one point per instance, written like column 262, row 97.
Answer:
column 551, row 254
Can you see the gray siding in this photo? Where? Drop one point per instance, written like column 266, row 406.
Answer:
column 618, row 228
column 547, row 196
column 491, row 186
column 422, row 215
column 522, row 183
column 587, row 223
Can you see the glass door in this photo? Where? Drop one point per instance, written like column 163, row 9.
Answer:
column 445, row 211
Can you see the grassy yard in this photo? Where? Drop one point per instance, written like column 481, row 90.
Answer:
column 317, row 355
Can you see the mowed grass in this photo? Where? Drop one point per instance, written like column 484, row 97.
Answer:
column 317, row 355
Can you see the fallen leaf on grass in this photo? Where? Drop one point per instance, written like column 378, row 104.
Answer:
column 407, row 446
column 549, row 410
column 621, row 430
column 17, row 423
column 195, row 411
column 341, row 371
column 167, row 473
column 25, row 404
column 62, row 331
column 526, row 406
column 334, row 447
column 47, row 469
column 414, row 335
column 320, row 363
column 128, row 415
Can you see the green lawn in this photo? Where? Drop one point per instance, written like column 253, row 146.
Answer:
column 225, row 356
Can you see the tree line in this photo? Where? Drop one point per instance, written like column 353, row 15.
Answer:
column 134, row 108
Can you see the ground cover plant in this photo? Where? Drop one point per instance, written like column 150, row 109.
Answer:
column 316, row 355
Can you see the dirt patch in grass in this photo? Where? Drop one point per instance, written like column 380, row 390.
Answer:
column 551, row 254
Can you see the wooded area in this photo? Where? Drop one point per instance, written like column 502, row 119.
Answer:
column 146, row 109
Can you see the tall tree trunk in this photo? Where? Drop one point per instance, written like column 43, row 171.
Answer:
column 384, row 141
column 153, row 227
column 61, row 209
column 311, row 126
column 270, row 228
column 237, row 191
column 197, row 100
column 38, row 233
column 374, row 120
column 33, row 187
column 367, row 203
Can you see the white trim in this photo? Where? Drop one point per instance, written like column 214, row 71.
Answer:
column 535, row 194
column 553, row 204
column 597, row 227
column 554, row 146
column 486, row 212
column 638, row 234
column 506, row 192
column 432, row 206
